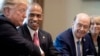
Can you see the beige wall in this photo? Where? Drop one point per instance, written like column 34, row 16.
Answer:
column 58, row 14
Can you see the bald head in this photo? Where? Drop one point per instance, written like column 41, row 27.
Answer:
column 82, row 16
column 36, row 7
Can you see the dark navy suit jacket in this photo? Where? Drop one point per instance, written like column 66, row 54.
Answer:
column 12, row 43
column 45, row 40
column 93, row 46
column 98, row 45
column 66, row 46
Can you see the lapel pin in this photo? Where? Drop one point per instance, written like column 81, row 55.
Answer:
column 84, row 39
column 43, row 37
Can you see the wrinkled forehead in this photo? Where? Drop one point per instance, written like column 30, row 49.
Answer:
column 12, row 3
column 83, row 18
column 18, row 1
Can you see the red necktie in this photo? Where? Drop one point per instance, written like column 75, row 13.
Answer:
column 36, row 39
column 36, row 42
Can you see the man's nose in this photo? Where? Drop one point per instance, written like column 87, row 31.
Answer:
column 82, row 28
column 24, row 15
column 35, row 18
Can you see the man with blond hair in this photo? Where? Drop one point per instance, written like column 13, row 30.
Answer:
column 11, row 42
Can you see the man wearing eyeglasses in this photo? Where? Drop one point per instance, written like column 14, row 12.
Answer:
column 31, row 28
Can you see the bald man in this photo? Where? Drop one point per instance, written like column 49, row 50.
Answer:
column 31, row 26
column 73, row 41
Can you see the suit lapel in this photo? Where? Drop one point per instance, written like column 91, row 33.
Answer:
column 27, row 33
column 84, row 46
column 73, row 47
column 43, row 40
column 41, row 37
column 72, row 43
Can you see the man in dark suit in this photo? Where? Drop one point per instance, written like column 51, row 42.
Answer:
column 11, row 42
column 32, row 25
column 73, row 41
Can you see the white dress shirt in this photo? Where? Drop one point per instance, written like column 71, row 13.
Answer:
column 32, row 32
column 75, row 41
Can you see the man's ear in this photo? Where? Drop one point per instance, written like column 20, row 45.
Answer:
column 6, row 11
column 73, row 22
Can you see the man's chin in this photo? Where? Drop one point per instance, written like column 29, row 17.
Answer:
column 35, row 28
column 80, row 36
column 18, row 24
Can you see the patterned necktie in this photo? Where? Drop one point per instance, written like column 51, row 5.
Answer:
column 78, row 48
column 36, row 42
column 36, row 39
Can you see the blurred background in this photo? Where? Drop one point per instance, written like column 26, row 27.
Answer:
column 59, row 14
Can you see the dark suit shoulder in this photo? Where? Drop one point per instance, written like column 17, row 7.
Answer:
column 98, row 46
column 4, row 20
column 44, row 32
column 66, row 34
column 87, row 37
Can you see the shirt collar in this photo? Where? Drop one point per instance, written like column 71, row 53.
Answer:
column 75, row 38
column 32, row 31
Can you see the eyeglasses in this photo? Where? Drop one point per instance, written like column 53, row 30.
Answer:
column 34, row 14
